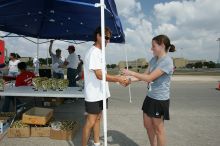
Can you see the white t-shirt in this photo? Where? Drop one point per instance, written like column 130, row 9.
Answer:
column 93, row 86
column 57, row 69
column 36, row 62
column 56, row 61
column 13, row 66
column 72, row 59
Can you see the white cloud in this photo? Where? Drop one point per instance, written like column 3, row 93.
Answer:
column 128, row 8
column 192, row 25
column 194, row 13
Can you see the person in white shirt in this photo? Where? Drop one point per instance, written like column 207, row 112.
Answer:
column 13, row 65
column 36, row 64
column 72, row 64
column 93, row 87
column 57, row 62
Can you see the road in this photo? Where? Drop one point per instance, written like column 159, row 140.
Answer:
column 195, row 116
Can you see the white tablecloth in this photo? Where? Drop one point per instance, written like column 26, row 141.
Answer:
column 28, row 91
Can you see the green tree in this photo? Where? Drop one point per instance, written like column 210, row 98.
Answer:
column 130, row 67
column 30, row 63
column 108, row 66
column 190, row 65
column 211, row 64
column 206, row 64
column 198, row 65
column 113, row 66
column 42, row 61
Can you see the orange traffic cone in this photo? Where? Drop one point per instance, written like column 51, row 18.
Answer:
column 218, row 88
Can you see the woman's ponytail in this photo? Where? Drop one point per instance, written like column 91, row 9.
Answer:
column 172, row 48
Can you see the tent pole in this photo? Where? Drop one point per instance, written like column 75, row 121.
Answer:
column 129, row 87
column 102, row 3
column 47, row 58
column 37, row 48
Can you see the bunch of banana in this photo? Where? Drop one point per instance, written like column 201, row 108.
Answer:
column 54, row 84
column 7, row 114
column 36, row 83
column 66, row 83
column 19, row 124
column 63, row 84
column 45, row 85
column 68, row 125
column 56, row 125
column 49, row 84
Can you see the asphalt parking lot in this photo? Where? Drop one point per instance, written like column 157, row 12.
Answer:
column 195, row 116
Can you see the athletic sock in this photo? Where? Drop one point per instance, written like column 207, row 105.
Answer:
column 97, row 144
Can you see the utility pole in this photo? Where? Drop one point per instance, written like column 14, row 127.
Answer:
column 181, row 53
column 218, row 61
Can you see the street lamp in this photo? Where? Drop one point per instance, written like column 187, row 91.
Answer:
column 218, row 61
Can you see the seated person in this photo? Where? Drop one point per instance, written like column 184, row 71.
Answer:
column 23, row 79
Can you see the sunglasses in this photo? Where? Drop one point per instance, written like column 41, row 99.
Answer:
column 107, row 38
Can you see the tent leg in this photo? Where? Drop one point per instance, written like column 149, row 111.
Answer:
column 129, row 87
column 102, row 3
column 47, row 58
column 37, row 48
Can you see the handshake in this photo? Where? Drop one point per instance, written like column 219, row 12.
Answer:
column 125, row 77
column 124, row 81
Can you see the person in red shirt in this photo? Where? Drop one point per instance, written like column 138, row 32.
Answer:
column 23, row 79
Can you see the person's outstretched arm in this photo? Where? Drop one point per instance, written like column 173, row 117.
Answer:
column 135, row 79
column 112, row 78
column 147, row 77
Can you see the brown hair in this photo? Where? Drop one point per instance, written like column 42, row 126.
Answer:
column 163, row 39
column 99, row 31
column 71, row 48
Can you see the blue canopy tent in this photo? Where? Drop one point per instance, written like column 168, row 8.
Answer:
column 58, row 19
column 63, row 20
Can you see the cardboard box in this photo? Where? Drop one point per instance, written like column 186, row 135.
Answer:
column 19, row 132
column 64, row 135
column 2, row 135
column 40, row 131
column 37, row 116
column 4, row 124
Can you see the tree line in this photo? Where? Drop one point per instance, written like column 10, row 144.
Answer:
column 209, row 64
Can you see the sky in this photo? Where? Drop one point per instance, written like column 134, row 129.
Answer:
column 192, row 25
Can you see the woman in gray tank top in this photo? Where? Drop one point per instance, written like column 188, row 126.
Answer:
column 158, row 76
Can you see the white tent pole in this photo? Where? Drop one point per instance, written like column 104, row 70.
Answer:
column 37, row 48
column 102, row 2
column 129, row 87
column 47, row 58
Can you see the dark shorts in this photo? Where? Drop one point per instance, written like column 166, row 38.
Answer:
column 95, row 107
column 156, row 108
